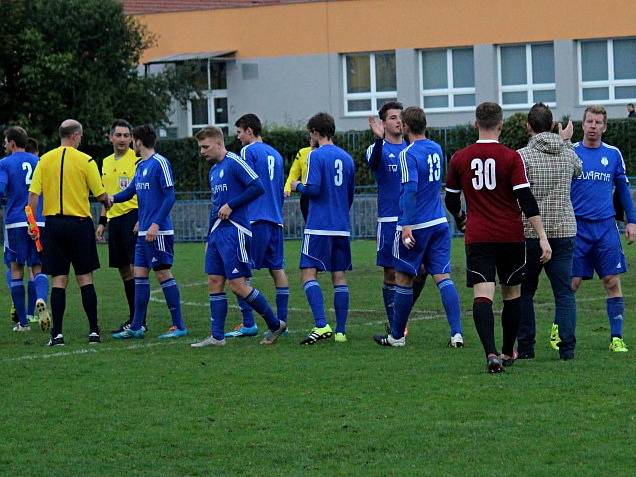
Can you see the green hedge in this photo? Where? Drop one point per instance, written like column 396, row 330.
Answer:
column 191, row 171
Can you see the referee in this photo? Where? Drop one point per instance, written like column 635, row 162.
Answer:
column 118, row 170
column 65, row 177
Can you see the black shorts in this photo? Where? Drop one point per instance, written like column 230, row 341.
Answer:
column 69, row 240
column 507, row 259
column 122, row 239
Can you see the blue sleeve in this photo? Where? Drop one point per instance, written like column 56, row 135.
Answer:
column 166, row 206
column 248, row 157
column 625, row 195
column 309, row 190
column 408, row 167
column 4, row 179
column 126, row 194
column 3, row 188
column 252, row 191
column 165, row 174
column 374, row 154
column 407, row 202
column 313, row 170
column 244, row 173
column 352, row 188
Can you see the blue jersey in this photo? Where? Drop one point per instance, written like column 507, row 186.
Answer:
column 388, row 178
column 229, row 178
column 592, row 191
column 332, row 171
column 268, row 165
column 153, row 179
column 421, row 163
column 16, row 171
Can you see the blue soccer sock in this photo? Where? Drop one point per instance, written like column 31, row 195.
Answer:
column 282, row 302
column 218, row 314
column 450, row 300
column 41, row 287
column 615, row 311
column 341, row 306
column 246, row 311
column 142, row 297
column 17, row 295
column 32, row 296
column 316, row 302
column 8, row 278
column 402, row 309
column 388, row 295
column 173, row 300
column 260, row 305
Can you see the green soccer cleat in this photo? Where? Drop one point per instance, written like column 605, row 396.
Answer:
column 317, row 334
column 554, row 337
column 617, row 345
column 340, row 338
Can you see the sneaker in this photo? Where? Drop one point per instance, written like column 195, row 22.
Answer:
column 456, row 341
column 340, row 338
column 494, row 365
column 388, row 340
column 317, row 334
column 43, row 314
column 32, row 319
column 209, row 341
column 14, row 314
column 19, row 328
column 554, row 337
column 126, row 325
column 617, row 345
column 241, row 331
column 506, row 360
column 173, row 332
column 94, row 338
column 270, row 337
column 57, row 341
column 526, row 355
column 129, row 334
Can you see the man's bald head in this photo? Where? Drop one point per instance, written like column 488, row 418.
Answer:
column 69, row 127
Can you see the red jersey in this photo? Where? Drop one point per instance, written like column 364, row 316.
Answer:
column 488, row 172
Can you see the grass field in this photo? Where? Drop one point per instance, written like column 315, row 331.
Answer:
column 155, row 408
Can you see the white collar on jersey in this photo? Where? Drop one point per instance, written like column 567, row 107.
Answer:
column 486, row 141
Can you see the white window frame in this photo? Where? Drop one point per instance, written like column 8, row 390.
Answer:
column 529, row 87
column 209, row 95
column 373, row 95
column 610, row 83
column 451, row 91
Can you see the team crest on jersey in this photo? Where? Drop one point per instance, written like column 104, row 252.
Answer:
column 604, row 161
column 391, row 155
column 123, row 182
column 144, row 172
column 221, row 174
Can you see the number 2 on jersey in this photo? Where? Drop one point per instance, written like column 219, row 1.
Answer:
column 337, row 179
column 484, row 173
column 29, row 172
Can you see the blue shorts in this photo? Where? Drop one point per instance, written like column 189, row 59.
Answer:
column 598, row 249
column 227, row 253
column 267, row 246
column 326, row 253
column 432, row 249
column 158, row 254
column 384, row 242
column 20, row 248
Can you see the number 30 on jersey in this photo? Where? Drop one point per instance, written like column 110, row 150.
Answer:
column 484, row 173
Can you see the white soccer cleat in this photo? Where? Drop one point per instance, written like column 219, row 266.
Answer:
column 209, row 341
column 456, row 341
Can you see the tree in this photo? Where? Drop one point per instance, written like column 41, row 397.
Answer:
column 79, row 59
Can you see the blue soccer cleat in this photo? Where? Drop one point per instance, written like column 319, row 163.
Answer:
column 241, row 331
column 129, row 334
column 174, row 332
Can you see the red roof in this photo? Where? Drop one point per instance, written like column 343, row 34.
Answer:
column 135, row 7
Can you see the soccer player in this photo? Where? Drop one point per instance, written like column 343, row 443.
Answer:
column 495, row 185
column 234, row 186
column 16, row 172
column 266, row 217
column 326, row 244
column 154, row 186
column 118, row 171
column 598, row 246
column 422, row 235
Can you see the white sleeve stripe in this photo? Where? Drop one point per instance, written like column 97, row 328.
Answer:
column 166, row 170
column 245, row 166
column 448, row 189
column 403, row 166
column 244, row 151
column 369, row 151
column 520, row 186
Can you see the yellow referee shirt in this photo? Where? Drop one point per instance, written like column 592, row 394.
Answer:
column 116, row 175
column 64, row 177
column 298, row 170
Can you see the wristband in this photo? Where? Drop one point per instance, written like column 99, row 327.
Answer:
column 103, row 220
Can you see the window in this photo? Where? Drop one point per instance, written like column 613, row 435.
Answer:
column 447, row 79
column 369, row 82
column 526, row 75
column 211, row 106
column 607, row 71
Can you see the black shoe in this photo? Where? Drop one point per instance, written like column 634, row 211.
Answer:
column 388, row 340
column 567, row 356
column 526, row 355
column 493, row 365
column 57, row 341
column 94, row 338
column 122, row 327
column 506, row 361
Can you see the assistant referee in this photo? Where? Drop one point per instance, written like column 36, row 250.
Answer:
column 65, row 177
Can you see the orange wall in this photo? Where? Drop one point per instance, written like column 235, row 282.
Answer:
column 351, row 25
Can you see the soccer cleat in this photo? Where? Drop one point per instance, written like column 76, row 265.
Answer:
column 317, row 334
column 32, row 319
column 241, row 331
column 494, row 365
column 456, row 341
column 340, row 338
column 19, row 328
column 554, row 337
column 270, row 337
column 43, row 314
column 617, row 345
column 57, row 341
column 94, row 338
column 14, row 314
column 209, row 341
column 388, row 340
column 129, row 334
column 173, row 332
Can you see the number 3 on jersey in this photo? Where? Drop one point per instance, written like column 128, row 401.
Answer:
column 484, row 173
column 337, row 179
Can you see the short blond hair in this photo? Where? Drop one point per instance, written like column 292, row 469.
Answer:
column 209, row 132
column 595, row 109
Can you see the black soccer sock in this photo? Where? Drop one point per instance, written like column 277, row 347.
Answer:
column 58, row 305
column 510, row 317
column 129, row 288
column 485, row 323
column 418, row 286
column 89, row 302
